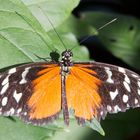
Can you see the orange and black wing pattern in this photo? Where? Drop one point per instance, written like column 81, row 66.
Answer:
column 31, row 91
column 39, row 92
column 93, row 89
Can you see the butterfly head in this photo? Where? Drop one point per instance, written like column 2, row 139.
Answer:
column 67, row 57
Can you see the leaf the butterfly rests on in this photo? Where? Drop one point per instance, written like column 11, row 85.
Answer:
column 38, row 92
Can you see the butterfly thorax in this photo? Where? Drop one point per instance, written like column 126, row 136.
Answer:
column 66, row 61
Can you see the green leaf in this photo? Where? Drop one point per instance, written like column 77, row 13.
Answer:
column 56, row 11
column 121, row 37
column 13, row 129
column 95, row 125
column 74, row 132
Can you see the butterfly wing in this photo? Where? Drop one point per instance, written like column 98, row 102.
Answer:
column 93, row 89
column 28, row 91
column 33, row 91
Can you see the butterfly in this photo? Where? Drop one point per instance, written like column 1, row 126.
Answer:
column 39, row 92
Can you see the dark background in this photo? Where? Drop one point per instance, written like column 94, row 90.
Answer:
column 125, row 7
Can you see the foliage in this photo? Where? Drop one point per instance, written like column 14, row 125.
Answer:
column 27, row 35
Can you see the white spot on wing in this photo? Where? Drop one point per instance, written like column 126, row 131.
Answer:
column 11, row 111
column 19, row 110
column 136, row 101
column 101, row 113
column 4, row 101
column 109, row 108
column 126, row 85
column 127, row 79
column 128, row 106
column 25, row 113
column 139, row 83
column 109, row 73
column 138, row 91
column 120, row 69
column 136, row 76
column 4, row 88
column 23, row 80
column 113, row 94
column 125, row 98
column 5, row 81
column 17, row 96
column 13, row 70
column 116, row 108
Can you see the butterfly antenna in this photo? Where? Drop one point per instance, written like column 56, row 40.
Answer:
column 99, row 29
column 54, row 29
column 107, row 24
column 57, row 33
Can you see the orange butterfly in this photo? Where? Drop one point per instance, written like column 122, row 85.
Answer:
column 38, row 92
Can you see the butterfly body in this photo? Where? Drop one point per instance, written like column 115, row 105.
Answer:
column 39, row 92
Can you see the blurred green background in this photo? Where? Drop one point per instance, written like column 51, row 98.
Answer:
column 26, row 35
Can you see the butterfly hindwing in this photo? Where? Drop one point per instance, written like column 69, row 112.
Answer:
column 19, row 95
